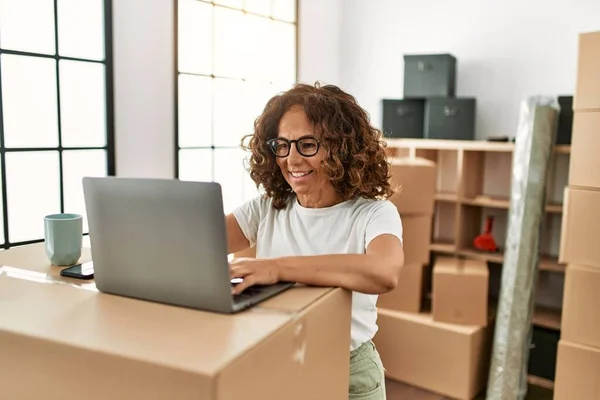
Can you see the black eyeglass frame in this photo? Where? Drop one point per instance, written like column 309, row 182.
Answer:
column 271, row 143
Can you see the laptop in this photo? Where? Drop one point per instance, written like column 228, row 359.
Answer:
column 165, row 241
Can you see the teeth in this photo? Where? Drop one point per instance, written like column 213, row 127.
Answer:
column 298, row 174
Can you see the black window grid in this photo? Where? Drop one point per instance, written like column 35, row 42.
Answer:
column 110, row 134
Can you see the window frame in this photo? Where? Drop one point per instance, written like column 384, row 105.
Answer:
column 176, row 75
column 109, row 117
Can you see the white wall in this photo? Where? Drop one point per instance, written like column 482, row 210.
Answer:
column 143, row 40
column 358, row 45
column 143, row 44
column 319, row 41
column 506, row 50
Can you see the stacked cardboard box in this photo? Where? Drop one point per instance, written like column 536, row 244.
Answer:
column 447, row 350
column 578, row 362
column 460, row 291
column 414, row 181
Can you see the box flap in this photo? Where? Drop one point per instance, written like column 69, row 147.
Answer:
column 580, row 230
column 33, row 258
column 30, row 262
column 577, row 372
column 587, row 88
column 295, row 299
column 414, row 180
column 580, row 319
column 411, row 162
column 460, row 266
column 427, row 319
column 183, row 339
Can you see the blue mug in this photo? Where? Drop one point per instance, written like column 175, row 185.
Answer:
column 63, row 234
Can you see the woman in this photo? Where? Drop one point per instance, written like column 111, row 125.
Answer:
column 324, row 219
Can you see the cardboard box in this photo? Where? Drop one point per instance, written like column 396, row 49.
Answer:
column 452, row 360
column 580, row 228
column 584, row 167
column 408, row 294
column 58, row 342
column 414, row 180
column 460, row 291
column 580, row 316
column 577, row 372
column 587, row 90
column 416, row 236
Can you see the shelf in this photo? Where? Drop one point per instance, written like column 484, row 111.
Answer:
column 443, row 247
column 503, row 203
column 446, row 196
column 540, row 382
column 554, row 208
column 562, row 149
column 546, row 263
column 467, row 145
column 551, row 264
column 442, row 144
column 482, row 255
column 546, row 318
column 487, row 201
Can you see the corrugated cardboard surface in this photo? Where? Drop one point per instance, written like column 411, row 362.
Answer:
column 460, row 291
column 60, row 342
column 408, row 293
column 580, row 316
column 451, row 360
column 587, row 91
column 580, row 228
column 577, row 372
column 416, row 237
column 584, row 166
column 415, row 178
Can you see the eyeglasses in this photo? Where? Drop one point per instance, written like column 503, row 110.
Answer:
column 306, row 146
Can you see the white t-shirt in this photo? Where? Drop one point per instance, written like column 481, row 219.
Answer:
column 345, row 228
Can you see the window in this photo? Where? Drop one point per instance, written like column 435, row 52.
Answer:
column 55, row 120
column 233, row 55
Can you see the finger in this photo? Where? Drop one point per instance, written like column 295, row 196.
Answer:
column 239, row 272
column 245, row 284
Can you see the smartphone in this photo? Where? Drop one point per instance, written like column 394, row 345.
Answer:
column 79, row 271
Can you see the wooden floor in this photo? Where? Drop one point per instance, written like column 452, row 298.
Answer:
column 400, row 391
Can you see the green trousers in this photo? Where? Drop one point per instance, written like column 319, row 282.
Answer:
column 367, row 379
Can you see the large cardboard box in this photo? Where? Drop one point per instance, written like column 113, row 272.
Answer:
column 577, row 372
column 58, row 341
column 587, row 91
column 414, row 180
column 408, row 294
column 580, row 316
column 580, row 228
column 460, row 291
column 416, row 236
column 452, row 360
column 584, row 167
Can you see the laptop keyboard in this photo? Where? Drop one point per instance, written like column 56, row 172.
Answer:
column 248, row 293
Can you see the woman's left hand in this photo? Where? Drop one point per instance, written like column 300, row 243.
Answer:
column 253, row 272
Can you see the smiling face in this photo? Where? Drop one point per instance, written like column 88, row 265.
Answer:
column 304, row 174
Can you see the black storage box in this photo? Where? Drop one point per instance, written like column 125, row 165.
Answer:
column 542, row 353
column 429, row 75
column 450, row 118
column 565, row 120
column 403, row 118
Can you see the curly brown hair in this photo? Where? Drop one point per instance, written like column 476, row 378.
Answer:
column 356, row 162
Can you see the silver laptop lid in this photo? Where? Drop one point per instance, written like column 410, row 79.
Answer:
column 160, row 240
